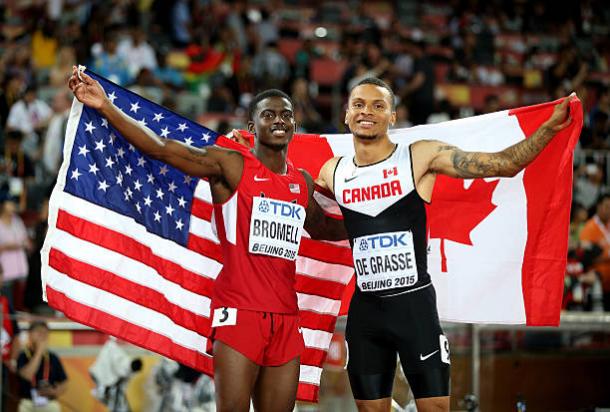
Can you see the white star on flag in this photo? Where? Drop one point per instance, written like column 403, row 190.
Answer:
column 82, row 150
column 164, row 132
column 103, row 185
column 89, row 127
column 75, row 174
column 182, row 127
column 99, row 145
column 93, row 168
column 112, row 97
column 158, row 117
column 134, row 107
column 179, row 224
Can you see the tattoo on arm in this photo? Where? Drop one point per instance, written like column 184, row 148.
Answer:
column 506, row 163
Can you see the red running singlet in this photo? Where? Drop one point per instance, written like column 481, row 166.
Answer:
column 260, row 229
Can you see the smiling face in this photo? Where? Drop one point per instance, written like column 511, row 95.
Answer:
column 273, row 122
column 369, row 112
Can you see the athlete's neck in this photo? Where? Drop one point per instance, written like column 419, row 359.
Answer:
column 370, row 151
column 273, row 157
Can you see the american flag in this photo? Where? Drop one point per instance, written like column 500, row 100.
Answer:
column 132, row 249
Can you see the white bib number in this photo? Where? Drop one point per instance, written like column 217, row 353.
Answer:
column 224, row 317
column 385, row 261
column 276, row 228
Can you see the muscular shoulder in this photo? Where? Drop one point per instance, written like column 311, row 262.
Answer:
column 325, row 178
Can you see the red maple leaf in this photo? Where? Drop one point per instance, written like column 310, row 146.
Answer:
column 454, row 211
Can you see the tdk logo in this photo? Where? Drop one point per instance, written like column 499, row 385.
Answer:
column 263, row 207
column 281, row 209
column 363, row 245
column 385, row 241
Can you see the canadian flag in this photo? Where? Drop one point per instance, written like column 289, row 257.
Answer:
column 497, row 247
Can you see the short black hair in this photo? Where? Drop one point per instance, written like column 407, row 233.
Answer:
column 262, row 96
column 376, row 81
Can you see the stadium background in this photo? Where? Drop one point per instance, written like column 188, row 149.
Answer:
column 444, row 59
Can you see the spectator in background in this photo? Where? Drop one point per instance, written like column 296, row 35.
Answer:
column 18, row 166
column 10, row 343
column 180, row 23
column 492, row 104
column 420, row 89
column 602, row 105
column 578, row 218
column 66, row 58
column 305, row 113
column 137, row 52
column 44, row 45
column 402, row 117
column 33, row 287
column 12, row 90
column 269, row 68
column 597, row 136
column 14, row 243
column 108, row 63
column 30, row 115
column 303, row 58
column 588, row 184
column 52, row 152
column 148, row 86
column 568, row 74
column 596, row 232
column 42, row 376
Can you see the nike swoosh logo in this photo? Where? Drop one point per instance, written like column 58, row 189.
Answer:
column 260, row 179
column 423, row 358
column 349, row 179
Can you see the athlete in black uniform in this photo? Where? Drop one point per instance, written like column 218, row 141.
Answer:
column 381, row 192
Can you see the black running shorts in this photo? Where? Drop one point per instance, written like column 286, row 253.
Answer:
column 407, row 324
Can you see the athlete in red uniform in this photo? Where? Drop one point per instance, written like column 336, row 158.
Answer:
column 261, row 203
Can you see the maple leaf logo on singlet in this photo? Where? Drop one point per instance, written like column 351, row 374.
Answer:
column 455, row 211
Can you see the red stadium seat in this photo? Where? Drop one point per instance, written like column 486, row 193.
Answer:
column 289, row 47
column 327, row 72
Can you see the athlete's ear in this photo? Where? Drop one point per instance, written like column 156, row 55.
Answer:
column 251, row 127
column 393, row 118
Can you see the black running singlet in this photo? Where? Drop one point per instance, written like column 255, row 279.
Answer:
column 386, row 221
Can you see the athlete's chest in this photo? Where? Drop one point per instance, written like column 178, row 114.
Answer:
column 372, row 189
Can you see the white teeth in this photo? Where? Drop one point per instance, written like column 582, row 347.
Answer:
column 367, row 123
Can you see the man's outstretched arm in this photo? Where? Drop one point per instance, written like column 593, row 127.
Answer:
column 317, row 223
column 198, row 162
column 450, row 160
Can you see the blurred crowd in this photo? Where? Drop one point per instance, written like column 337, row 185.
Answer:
column 205, row 59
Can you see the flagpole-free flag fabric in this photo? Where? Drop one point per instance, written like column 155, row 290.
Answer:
column 132, row 249
column 497, row 247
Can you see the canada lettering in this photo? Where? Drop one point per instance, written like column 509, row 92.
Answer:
column 275, row 230
column 379, row 191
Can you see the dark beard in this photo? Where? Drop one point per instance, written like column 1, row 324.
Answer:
column 365, row 137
